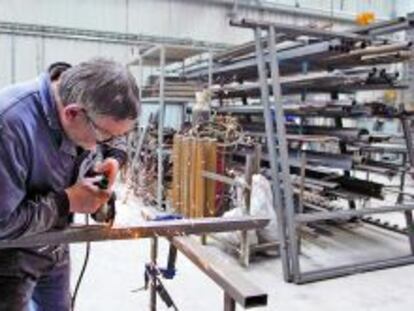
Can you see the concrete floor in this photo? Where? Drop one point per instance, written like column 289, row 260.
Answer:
column 116, row 270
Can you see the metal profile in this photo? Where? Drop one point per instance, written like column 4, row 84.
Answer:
column 95, row 233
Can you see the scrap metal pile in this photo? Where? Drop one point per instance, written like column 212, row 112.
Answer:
column 141, row 174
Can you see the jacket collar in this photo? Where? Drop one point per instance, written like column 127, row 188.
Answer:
column 49, row 108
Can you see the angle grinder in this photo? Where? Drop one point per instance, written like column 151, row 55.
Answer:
column 106, row 213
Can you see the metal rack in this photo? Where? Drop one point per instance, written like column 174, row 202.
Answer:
column 269, row 64
column 161, row 56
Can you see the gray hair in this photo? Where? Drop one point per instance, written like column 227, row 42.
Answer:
column 103, row 87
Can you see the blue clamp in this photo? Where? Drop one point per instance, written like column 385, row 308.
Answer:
column 169, row 272
column 167, row 217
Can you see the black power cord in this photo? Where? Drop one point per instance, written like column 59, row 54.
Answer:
column 82, row 272
column 109, row 216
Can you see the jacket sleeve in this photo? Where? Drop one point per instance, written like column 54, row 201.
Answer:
column 117, row 149
column 20, row 214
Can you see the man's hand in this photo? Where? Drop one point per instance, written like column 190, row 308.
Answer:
column 85, row 197
column 109, row 167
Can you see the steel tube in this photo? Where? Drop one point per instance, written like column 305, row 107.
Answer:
column 224, row 179
column 290, row 29
column 150, row 51
column 111, row 37
column 312, row 217
column 161, row 129
column 146, row 230
column 271, row 142
column 286, row 56
column 236, row 287
column 351, row 134
column 289, row 208
column 345, row 270
column 153, row 281
column 379, row 25
column 229, row 303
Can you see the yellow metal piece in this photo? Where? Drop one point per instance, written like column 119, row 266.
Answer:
column 177, row 171
column 200, row 181
column 192, row 195
column 365, row 18
column 390, row 96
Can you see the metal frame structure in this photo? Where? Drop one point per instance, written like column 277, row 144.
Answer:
column 290, row 60
column 162, row 55
column 236, row 288
column 246, row 248
column 289, row 220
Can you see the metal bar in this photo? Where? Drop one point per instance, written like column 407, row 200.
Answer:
column 146, row 230
column 404, row 25
column 141, row 77
column 151, row 50
column 13, row 59
column 343, row 148
column 250, row 169
column 223, row 179
column 345, row 270
column 379, row 25
column 371, row 50
column 311, row 217
column 384, row 148
column 302, row 179
column 285, row 56
column 210, row 70
column 161, row 129
column 235, row 52
column 78, row 34
column 410, row 228
column 283, row 153
column 271, row 143
column 308, row 109
column 229, row 303
column 384, row 225
column 153, row 281
column 300, row 31
column 408, row 139
column 410, row 153
column 328, row 84
column 236, row 287
column 349, row 134
column 140, row 144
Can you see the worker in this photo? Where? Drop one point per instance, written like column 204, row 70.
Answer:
column 55, row 70
column 46, row 127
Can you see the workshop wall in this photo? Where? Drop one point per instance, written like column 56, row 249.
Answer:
column 207, row 20
column 404, row 6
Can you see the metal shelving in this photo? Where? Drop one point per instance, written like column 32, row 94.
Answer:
column 160, row 56
column 265, row 71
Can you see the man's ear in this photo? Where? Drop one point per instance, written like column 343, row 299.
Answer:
column 72, row 111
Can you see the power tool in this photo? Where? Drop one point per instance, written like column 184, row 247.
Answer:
column 106, row 213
